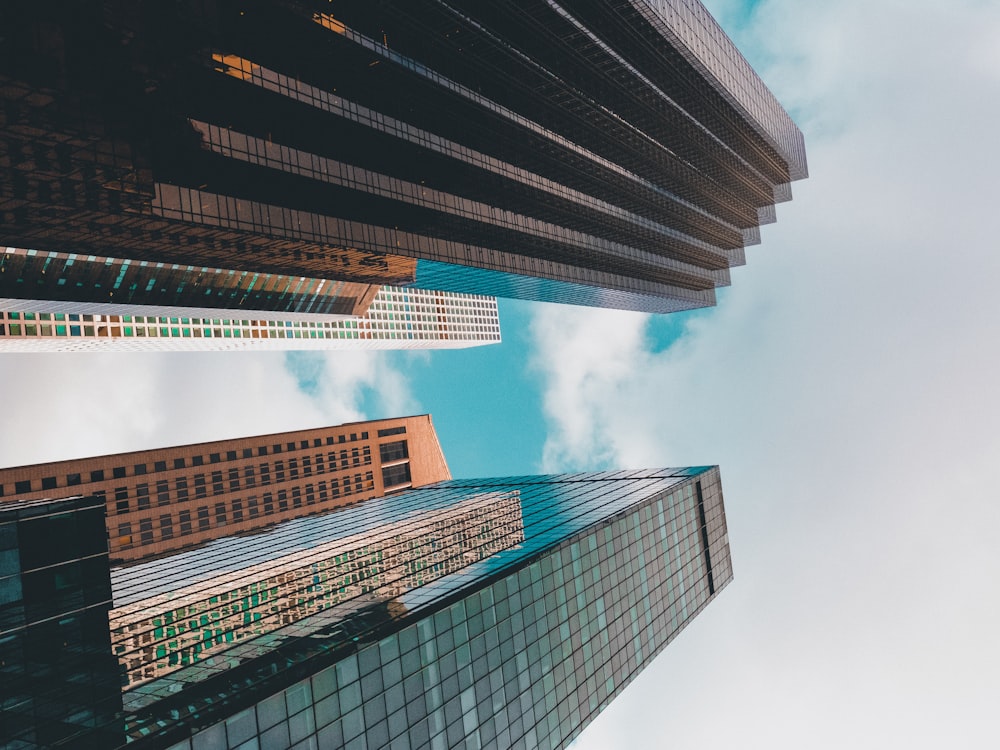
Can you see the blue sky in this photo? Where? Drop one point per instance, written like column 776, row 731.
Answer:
column 846, row 384
column 486, row 402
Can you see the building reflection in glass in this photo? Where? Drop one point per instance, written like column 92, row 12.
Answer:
column 159, row 634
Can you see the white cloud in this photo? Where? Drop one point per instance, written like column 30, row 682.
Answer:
column 846, row 385
column 585, row 367
column 108, row 403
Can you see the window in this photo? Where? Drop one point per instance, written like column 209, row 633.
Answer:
column 160, row 466
column 140, row 469
column 248, row 453
column 73, row 479
column 162, row 492
column 217, row 488
column 121, row 499
column 203, row 520
column 197, row 461
column 166, row 526
column 185, row 520
column 234, row 480
column 282, row 500
column 393, row 451
column 237, row 511
column 268, row 503
column 248, row 478
column 215, row 458
column 142, row 496
column 395, row 475
column 146, row 531
column 48, row 483
column 220, row 514
column 124, row 535
column 118, row 472
column 179, row 463
column 181, row 485
column 392, row 431
column 230, row 455
column 252, row 507
column 262, row 451
column 199, row 485
column 23, row 486
column 97, row 476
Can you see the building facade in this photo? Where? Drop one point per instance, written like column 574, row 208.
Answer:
column 60, row 684
column 619, row 154
column 261, row 598
column 493, row 613
column 69, row 282
column 166, row 499
column 396, row 318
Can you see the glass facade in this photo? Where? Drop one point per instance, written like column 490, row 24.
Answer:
column 618, row 154
column 99, row 281
column 487, row 613
column 522, row 285
column 470, row 613
column 59, row 684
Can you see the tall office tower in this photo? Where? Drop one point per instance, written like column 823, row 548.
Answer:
column 490, row 613
column 166, row 499
column 618, row 153
column 60, row 684
column 397, row 318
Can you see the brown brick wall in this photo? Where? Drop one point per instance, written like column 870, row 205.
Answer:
column 165, row 499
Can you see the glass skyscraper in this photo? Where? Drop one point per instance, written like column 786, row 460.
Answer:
column 618, row 153
column 59, row 681
column 486, row 613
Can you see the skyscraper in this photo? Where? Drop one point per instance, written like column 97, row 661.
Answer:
column 396, row 318
column 169, row 498
column 618, row 154
column 486, row 613
column 60, row 683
